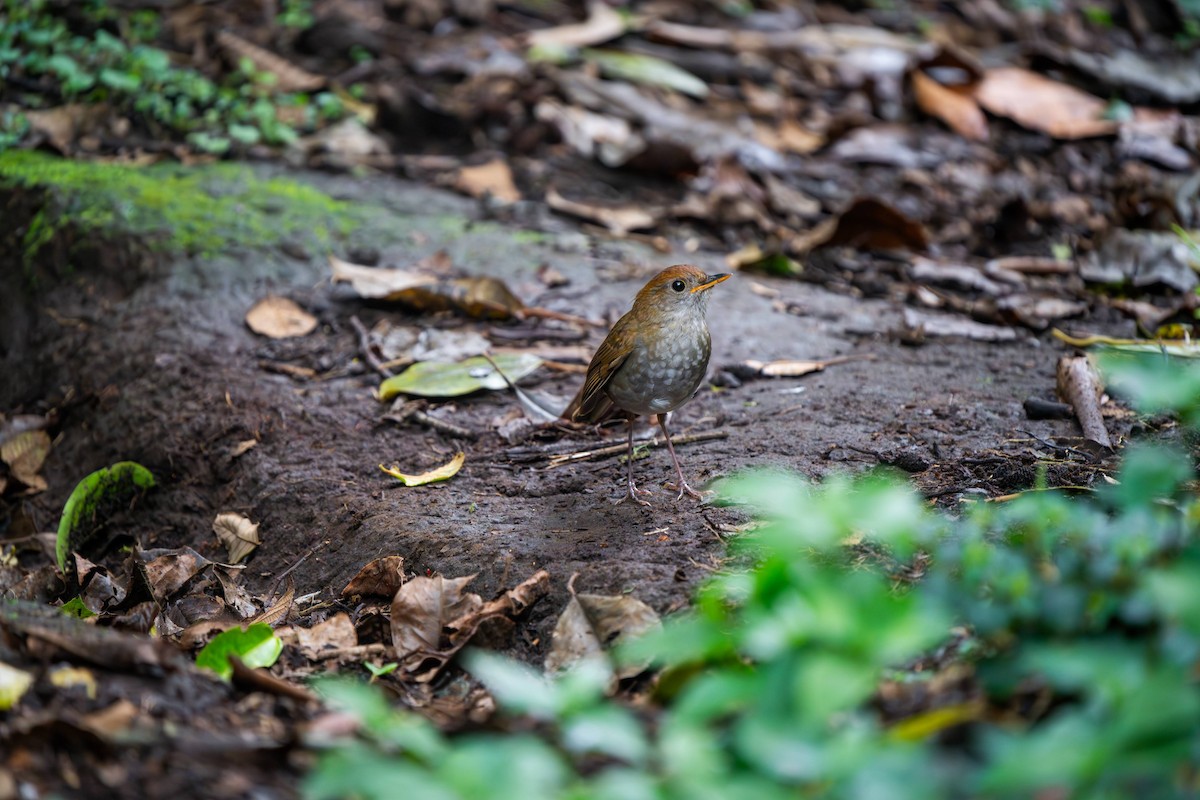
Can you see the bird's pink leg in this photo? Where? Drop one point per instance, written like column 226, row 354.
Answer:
column 683, row 485
column 634, row 491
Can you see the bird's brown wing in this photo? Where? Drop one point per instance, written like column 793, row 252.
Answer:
column 592, row 403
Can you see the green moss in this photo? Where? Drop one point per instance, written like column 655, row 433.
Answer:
column 199, row 211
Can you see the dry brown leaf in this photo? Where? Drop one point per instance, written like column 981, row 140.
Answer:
column 1041, row 104
column 382, row 577
column 478, row 297
column 25, row 453
column 592, row 623
column 375, row 283
column 955, row 107
column 64, row 124
column 167, row 573
column 789, row 136
column 793, row 367
column 237, row 598
column 279, row 318
column 237, row 533
column 618, row 219
column 112, row 722
column 868, row 224
column 493, row 178
column 243, row 447
column 335, row 633
column 289, row 77
column 602, row 24
column 433, row 618
column 278, row 610
column 1079, row 384
column 423, row 607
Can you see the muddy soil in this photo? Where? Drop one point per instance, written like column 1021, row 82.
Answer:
column 161, row 369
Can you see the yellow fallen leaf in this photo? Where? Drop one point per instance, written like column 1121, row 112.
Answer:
column 447, row 470
column 922, row 726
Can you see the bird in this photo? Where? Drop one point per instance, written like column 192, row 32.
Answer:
column 652, row 361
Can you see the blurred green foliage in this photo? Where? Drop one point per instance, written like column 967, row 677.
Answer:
column 48, row 62
column 1078, row 623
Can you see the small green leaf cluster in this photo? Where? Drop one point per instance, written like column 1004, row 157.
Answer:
column 38, row 48
column 768, row 687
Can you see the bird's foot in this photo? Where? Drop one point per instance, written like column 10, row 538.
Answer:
column 634, row 491
column 688, row 490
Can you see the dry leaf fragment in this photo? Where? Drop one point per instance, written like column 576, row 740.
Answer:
column 1079, row 384
column 382, row 577
column 243, row 447
column 1041, row 104
column 602, row 24
column 168, row 570
column 618, row 219
column 953, row 106
column 494, row 178
column 793, row 367
column 237, row 533
column 335, row 633
column 373, row 283
column 423, row 607
column 25, row 452
column 289, row 77
column 279, row 318
column 867, row 224
column 592, row 623
column 444, row 472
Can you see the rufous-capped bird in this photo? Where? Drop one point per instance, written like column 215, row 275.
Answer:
column 653, row 360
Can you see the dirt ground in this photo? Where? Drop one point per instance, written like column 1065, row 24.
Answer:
column 155, row 364
column 166, row 373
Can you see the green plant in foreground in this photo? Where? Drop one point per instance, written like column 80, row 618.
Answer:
column 767, row 684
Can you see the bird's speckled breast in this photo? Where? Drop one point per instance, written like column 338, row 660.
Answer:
column 663, row 371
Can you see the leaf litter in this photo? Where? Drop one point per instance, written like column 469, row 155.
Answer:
column 738, row 184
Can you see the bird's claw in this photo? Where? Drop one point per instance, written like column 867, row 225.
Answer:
column 688, row 490
column 634, row 491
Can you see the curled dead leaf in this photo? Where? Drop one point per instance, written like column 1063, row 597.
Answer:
column 444, row 472
column 423, row 607
column 279, row 318
column 381, row 577
column 1041, row 104
column 591, row 623
column 25, row 452
column 494, row 178
column 618, row 219
column 602, row 24
column 952, row 105
column 237, row 533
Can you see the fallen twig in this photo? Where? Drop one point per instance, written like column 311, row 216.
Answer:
column 1079, row 385
column 402, row 412
column 618, row 449
column 364, row 347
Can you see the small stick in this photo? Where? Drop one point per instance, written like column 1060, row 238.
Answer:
column 364, row 346
column 400, row 414
column 618, row 449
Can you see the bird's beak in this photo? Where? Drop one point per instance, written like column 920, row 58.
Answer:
column 711, row 281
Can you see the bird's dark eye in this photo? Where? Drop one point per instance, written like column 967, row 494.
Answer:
column 678, row 285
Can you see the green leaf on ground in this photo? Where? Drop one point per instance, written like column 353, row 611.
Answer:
column 451, row 379
column 646, row 70
column 256, row 646
column 103, row 489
